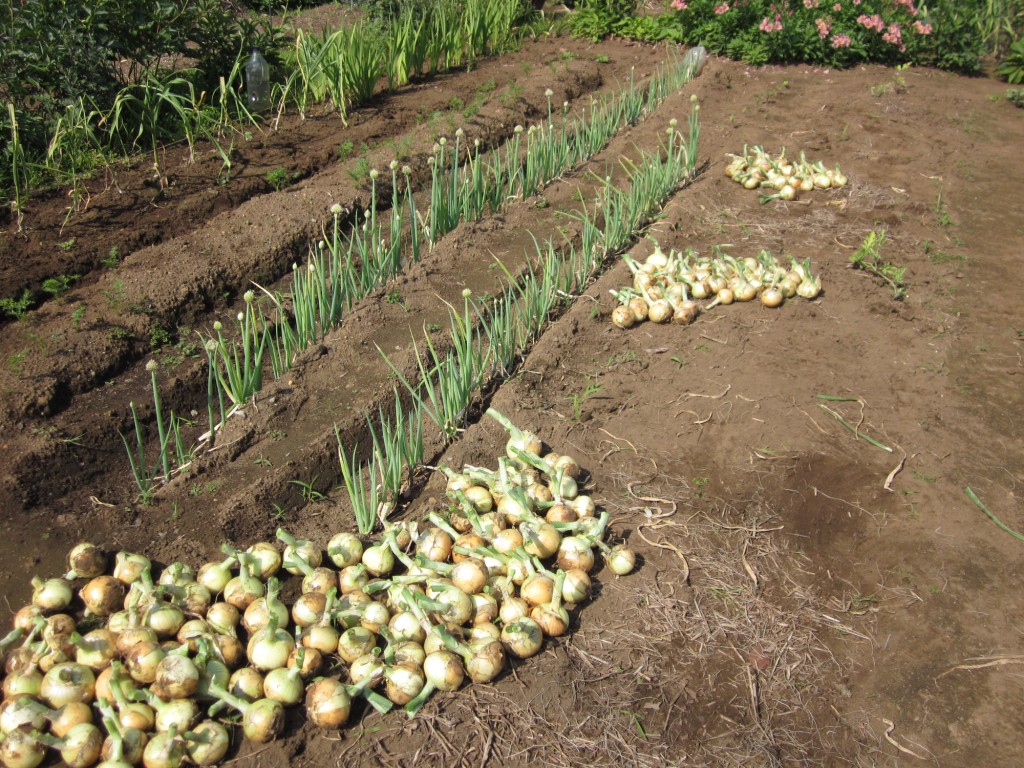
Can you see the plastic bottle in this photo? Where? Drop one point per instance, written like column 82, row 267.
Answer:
column 257, row 82
column 696, row 57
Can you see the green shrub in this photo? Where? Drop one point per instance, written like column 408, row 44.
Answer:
column 829, row 33
column 1011, row 68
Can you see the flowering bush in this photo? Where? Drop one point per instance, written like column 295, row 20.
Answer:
column 832, row 33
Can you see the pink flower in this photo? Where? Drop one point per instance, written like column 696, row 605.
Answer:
column 893, row 35
column 922, row 29
column 810, row 3
column 823, row 27
column 771, row 25
column 840, row 41
column 679, row 5
column 856, row 2
column 874, row 22
column 909, row 4
column 723, row 8
column 837, row 7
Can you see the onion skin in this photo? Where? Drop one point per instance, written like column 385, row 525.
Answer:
column 263, row 720
column 82, row 747
column 522, row 638
column 177, row 677
column 328, row 704
column 66, row 683
column 772, row 297
column 20, row 750
column 103, row 595
column 344, row 549
column 207, row 743
column 623, row 317
column 86, row 561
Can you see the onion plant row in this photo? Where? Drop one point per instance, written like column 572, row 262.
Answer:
column 488, row 339
column 345, row 267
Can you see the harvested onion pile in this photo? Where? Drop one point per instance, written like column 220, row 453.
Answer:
column 666, row 287
column 756, row 169
column 140, row 669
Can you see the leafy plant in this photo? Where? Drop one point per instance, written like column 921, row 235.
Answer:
column 1015, row 96
column 113, row 257
column 868, row 258
column 278, row 178
column 1011, row 68
column 17, row 308
column 58, row 286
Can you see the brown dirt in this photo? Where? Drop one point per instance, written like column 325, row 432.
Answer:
column 790, row 609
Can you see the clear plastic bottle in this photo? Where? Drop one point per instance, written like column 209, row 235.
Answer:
column 696, row 58
column 257, row 82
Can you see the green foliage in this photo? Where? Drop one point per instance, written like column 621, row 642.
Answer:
column 1011, row 68
column 1015, row 96
column 868, row 258
column 278, row 178
column 58, row 286
column 16, row 308
column 599, row 18
column 823, row 32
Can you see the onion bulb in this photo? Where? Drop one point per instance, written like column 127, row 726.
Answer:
column 207, row 743
column 20, row 749
column 522, row 638
column 86, row 561
column 51, row 594
column 772, row 297
column 102, row 595
column 623, row 317
column 328, row 704
column 262, row 720
column 344, row 549
column 620, row 560
column 66, row 683
column 404, row 682
column 177, row 677
column 265, row 559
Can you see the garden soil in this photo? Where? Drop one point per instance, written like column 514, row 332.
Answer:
column 804, row 596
